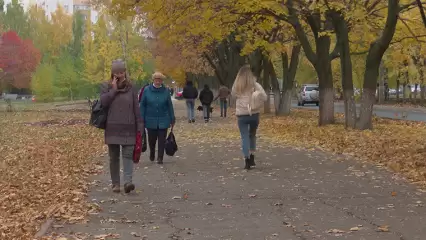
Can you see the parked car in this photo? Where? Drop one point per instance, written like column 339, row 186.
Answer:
column 308, row 93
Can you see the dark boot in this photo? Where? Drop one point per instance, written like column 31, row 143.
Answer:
column 247, row 166
column 193, row 120
column 152, row 157
column 128, row 187
column 160, row 160
column 252, row 163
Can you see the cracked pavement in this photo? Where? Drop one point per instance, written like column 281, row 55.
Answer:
column 203, row 193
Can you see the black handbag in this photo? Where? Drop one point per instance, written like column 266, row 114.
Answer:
column 99, row 115
column 171, row 145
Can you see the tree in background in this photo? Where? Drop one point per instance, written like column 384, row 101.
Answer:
column 62, row 56
column 42, row 82
column 18, row 60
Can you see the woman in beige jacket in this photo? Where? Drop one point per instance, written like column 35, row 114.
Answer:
column 248, row 118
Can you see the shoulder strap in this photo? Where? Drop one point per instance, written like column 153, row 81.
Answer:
column 140, row 93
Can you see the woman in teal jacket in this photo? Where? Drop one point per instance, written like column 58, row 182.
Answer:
column 158, row 115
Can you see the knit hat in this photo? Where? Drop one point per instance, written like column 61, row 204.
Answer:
column 118, row 66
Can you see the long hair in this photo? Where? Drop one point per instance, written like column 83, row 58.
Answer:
column 245, row 80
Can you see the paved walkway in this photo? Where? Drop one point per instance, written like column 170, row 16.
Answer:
column 203, row 193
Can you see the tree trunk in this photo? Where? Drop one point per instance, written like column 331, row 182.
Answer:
column 256, row 62
column 422, row 86
column 372, row 64
column 381, row 90
column 266, row 85
column 325, row 77
column 283, row 98
column 416, row 86
column 368, row 96
column 342, row 33
column 404, row 91
column 226, row 60
column 398, row 87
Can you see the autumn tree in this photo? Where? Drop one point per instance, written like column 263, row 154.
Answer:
column 14, row 18
column 42, row 82
column 394, row 11
column 18, row 60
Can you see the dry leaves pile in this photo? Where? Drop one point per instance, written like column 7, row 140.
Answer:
column 45, row 158
column 399, row 145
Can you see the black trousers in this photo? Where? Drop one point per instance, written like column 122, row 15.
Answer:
column 153, row 136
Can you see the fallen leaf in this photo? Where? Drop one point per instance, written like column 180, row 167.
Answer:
column 383, row 228
column 335, row 231
column 354, row 229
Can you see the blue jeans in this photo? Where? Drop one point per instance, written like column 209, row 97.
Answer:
column 190, row 105
column 223, row 107
column 248, row 127
column 206, row 112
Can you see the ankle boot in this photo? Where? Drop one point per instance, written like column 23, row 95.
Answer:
column 128, row 187
column 247, row 166
column 252, row 163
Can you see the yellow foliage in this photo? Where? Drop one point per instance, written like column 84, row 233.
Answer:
column 60, row 30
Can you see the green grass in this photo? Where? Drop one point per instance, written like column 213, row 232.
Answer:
column 28, row 105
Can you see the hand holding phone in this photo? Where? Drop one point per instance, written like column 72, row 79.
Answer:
column 114, row 82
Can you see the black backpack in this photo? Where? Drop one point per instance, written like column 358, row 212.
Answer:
column 99, row 114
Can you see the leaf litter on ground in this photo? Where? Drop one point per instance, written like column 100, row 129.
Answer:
column 47, row 157
column 398, row 145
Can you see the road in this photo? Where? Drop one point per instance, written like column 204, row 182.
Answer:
column 411, row 114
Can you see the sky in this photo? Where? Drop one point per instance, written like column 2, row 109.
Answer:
column 51, row 5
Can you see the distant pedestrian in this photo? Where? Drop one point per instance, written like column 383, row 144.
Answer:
column 206, row 99
column 250, row 98
column 190, row 93
column 123, row 123
column 158, row 115
column 223, row 96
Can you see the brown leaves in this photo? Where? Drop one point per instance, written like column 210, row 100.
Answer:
column 399, row 145
column 43, row 169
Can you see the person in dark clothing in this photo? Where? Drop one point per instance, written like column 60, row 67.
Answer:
column 223, row 96
column 190, row 93
column 206, row 99
column 124, row 120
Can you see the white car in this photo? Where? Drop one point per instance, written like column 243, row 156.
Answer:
column 308, row 93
